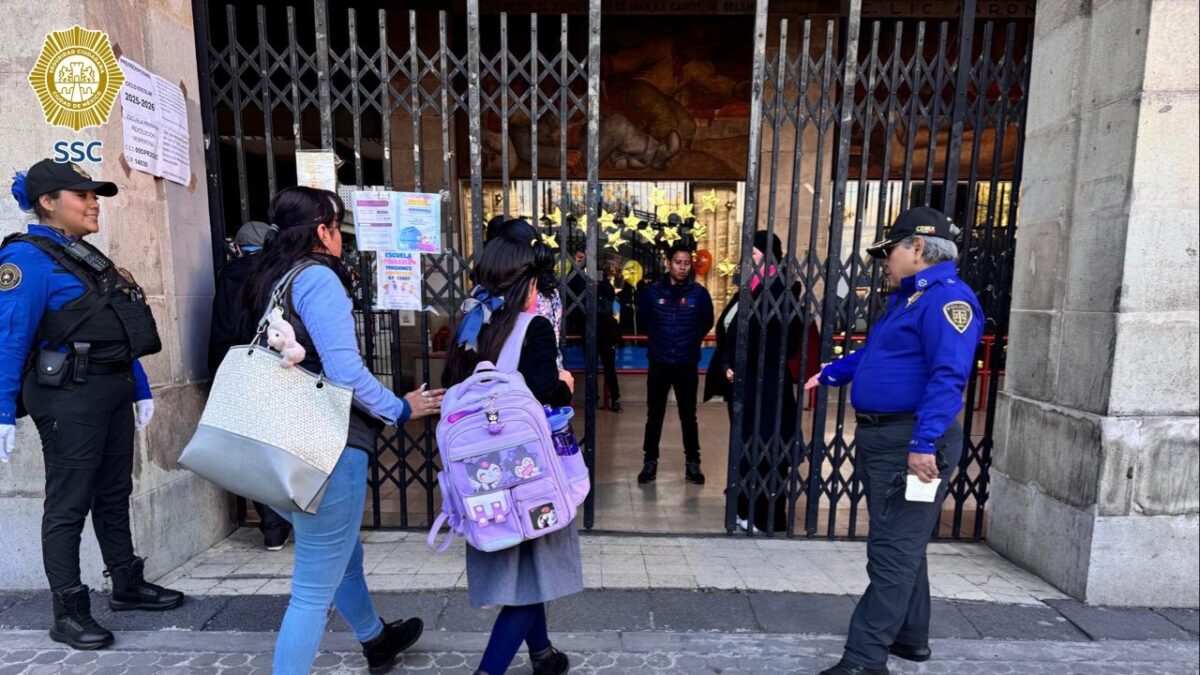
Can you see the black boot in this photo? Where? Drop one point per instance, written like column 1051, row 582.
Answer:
column 550, row 661
column 381, row 652
column 132, row 591
column 691, row 473
column 73, row 622
column 649, row 472
column 844, row 667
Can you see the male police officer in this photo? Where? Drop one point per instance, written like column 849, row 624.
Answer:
column 72, row 325
column 676, row 313
column 908, row 389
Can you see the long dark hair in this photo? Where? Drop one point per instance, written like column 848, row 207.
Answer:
column 297, row 212
column 511, row 260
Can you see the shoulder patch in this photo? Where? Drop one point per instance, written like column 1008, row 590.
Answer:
column 10, row 276
column 959, row 314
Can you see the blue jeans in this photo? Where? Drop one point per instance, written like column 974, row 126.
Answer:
column 329, row 568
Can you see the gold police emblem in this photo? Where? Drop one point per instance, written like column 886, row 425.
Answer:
column 76, row 78
column 10, row 276
column 959, row 314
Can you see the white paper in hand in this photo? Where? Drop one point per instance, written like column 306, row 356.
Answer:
column 916, row 491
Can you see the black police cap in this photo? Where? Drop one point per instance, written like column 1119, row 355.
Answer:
column 922, row 221
column 49, row 175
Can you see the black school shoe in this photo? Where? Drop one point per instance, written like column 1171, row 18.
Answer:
column 550, row 662
column 915, row 653
column 381, row 651
column 649, row 472
column 692, row 474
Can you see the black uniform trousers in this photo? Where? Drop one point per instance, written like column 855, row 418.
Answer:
column 895, row 606
column 87, row 440
column 660, row 380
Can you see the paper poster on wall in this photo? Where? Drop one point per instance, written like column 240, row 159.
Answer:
column 419, row 226
column 154, row 122
column 374, row 219
column 317, row 168
column 398, row 280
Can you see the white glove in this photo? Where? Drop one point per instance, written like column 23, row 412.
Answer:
column 8, row 441
column 143, row 411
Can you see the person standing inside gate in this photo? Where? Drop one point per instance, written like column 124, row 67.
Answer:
column 676, row 313
column 72, row 326
column 329, row 553
column 231, row 326
column 909, row 380
column 522, row 579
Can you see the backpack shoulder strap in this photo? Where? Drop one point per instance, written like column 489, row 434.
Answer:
column 510, row 355
column 58, row 253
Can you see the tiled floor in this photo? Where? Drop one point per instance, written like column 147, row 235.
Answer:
column 401, row 561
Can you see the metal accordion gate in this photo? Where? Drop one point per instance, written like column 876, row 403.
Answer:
column 276, row 81
column 852, row 121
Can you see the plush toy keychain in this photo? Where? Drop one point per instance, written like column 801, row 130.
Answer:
column 282, row 338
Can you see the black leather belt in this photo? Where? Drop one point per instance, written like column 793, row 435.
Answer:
column 870, row 420
column 110, row 368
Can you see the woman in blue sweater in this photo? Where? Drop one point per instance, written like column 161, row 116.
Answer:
column 329, row 552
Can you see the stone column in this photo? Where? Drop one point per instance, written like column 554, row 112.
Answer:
column 1094, row 483
column 157, row 229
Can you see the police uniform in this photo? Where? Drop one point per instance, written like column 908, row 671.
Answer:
column 909, row 380
column 72, row 325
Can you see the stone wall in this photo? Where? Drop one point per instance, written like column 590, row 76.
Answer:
column 1095, row 481
column 157, row 229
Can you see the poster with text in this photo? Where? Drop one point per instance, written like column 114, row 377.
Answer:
column 317, row 169
column 374, row 219
column 398, row 280
column 154, row 124
column 419, row 227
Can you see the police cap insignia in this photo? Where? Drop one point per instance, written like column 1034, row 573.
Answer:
column 959, row 314
column 10, row 276
column 79, row 170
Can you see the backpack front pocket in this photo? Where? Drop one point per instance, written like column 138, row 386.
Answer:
column 541, row 508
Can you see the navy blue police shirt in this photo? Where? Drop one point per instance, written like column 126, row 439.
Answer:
column 31, row 282
column 918, row 357
column 675, row 318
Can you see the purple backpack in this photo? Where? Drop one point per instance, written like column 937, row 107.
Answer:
column 502, row 481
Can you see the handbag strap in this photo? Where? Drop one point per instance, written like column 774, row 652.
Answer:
column 277, row 295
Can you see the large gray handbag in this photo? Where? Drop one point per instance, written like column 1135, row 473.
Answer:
column 270, row 434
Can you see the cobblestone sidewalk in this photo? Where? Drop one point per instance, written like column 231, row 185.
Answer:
column 189, row 653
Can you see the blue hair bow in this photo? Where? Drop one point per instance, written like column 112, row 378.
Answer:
column 19, row 193
column 477, row 313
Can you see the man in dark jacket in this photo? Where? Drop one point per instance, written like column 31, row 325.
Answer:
column 231, row 326
column 675, row 313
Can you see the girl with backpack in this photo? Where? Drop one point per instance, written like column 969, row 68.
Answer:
column 306, row 225
column 520, row 579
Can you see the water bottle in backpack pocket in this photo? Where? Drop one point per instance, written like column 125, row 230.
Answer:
column 502, row 480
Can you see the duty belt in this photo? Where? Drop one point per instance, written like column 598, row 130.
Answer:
column 882, row 419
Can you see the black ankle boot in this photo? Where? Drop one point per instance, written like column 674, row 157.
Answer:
column 73, row 622
column 550, row 661
column 692, row 474
column 649, row 472
column 381, row 652
column 132, row 591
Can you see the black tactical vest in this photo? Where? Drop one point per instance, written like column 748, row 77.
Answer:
column 111, row 315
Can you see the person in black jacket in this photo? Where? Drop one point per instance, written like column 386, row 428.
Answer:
column 768, row 396
column 232, row 326
column 676, row 313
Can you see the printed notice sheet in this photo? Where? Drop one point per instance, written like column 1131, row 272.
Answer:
column 374, row 220
column 398, row 280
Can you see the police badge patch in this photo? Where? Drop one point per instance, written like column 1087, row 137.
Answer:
column 10, row 276
column 959, row 314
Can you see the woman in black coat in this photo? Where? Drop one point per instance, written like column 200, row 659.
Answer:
column 764, row 393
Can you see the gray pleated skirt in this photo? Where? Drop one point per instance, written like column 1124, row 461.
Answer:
column 536, row 571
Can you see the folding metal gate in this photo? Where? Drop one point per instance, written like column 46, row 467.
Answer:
column 896, row 92
column 362, row 85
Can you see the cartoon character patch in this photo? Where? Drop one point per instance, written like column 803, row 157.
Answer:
column 487, row 476
column 543, row 516
column 526, row 468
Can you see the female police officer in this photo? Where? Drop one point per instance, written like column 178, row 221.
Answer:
column 72, row 325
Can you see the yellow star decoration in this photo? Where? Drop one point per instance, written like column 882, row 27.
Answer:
column 663, row 212
column 614, row 240
column 671, row 235
column 699, row 231
column 555, row 217
column 686, row 211
column 726, row 267
column 657, row 197
column 550, row 240
column 606, row 220
column 646, row 232
column 582, row 221
column 709, row 202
